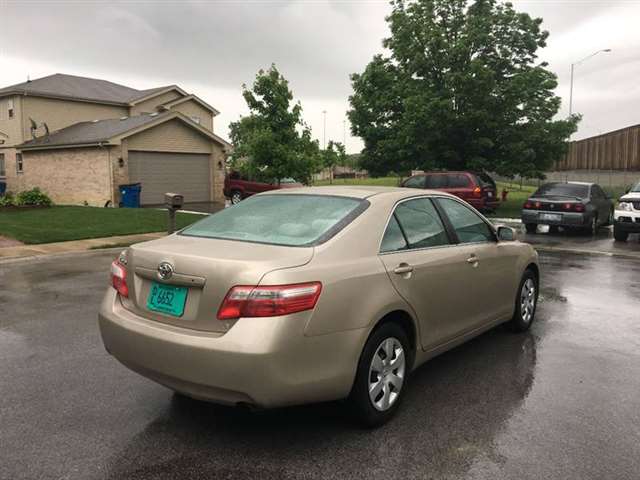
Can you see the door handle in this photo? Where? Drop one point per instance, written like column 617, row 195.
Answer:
column 403, row 268
column 473, row 260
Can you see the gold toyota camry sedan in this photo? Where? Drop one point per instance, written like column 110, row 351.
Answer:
column 313, row 294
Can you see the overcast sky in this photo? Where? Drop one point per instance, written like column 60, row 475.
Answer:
column 211, row 47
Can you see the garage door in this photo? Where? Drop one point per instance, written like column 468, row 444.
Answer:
column 159, row 173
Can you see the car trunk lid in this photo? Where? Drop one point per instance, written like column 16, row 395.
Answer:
column 204, row 269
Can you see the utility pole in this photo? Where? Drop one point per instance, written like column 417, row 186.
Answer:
column 344, row 133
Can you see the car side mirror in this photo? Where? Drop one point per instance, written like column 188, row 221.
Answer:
column 506, row 234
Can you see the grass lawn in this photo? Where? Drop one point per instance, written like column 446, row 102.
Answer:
column 378, row 182
column 509, row 209
column 59, row 224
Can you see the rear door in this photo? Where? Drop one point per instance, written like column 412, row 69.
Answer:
column 437, row 181
column 426, row 269
column 460, row 185
column 490, row 277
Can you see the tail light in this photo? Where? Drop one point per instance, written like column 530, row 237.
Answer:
column 529, row 205
column 119, row 278
column 477, row 192
column 574, row 207
column 269, row 301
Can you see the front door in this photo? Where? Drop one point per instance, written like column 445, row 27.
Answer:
column 491, row 281
column 427, row 270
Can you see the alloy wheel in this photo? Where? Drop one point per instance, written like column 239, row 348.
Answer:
column 527, row 300
column 236, row 198
column 386, row 373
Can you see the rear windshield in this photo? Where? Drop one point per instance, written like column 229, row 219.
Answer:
column 485, row 180
column 291, row 220
column 563, row 190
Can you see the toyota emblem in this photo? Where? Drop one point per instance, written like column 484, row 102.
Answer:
column 165, row 270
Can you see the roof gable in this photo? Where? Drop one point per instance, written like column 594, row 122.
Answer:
column 193, row 98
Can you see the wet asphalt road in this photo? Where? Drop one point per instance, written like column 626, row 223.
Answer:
column 562, row 401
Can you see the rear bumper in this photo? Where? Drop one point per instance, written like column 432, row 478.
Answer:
column 266, row 362
column 483, row 203
column 627, row 221
column 565, row 219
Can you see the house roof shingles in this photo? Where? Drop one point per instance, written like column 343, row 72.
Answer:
column 80, row 88
column 91, row 133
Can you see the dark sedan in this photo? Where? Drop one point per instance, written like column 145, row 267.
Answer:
column 570, row 205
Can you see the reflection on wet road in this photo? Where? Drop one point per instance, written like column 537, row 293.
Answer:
column 562, row 401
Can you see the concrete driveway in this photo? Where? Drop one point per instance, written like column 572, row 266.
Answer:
column 561, row 401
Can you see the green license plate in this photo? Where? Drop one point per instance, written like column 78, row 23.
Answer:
column 167, row 299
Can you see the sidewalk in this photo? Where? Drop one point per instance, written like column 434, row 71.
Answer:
column 26, row 251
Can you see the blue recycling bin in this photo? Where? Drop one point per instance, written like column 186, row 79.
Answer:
column 130, row 195
column 3, row 188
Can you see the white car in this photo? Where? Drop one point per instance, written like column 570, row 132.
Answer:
column 627, row 215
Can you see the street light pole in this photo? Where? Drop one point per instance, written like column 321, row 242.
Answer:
column 573, row 66
column 324, row 130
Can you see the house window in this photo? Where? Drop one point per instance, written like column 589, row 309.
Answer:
column 3, row 173
column 19, row 165
column 196, row 119
column 10, row 108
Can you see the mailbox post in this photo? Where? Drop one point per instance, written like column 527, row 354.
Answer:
column 173, row 202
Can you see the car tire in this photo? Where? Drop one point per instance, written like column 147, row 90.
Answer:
column 526, row 302
column 609, row 219
column 236, row 197
column 619, row 235
column 531, row 227
column 593, row 227
column 375, row 367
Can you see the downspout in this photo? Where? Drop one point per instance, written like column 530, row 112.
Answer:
column 110, row 168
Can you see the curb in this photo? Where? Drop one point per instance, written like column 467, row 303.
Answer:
column 600, row 253
column 46, row 256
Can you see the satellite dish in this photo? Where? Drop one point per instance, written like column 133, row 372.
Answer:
column 46, row 128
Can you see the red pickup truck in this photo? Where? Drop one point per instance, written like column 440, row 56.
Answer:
column 237, row 187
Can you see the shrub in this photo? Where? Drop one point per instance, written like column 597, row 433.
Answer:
column 33, row 197
column 7, row 200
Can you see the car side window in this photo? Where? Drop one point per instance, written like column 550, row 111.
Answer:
column 416, row 181
column 393, row 239
column 458, row 181
column 468, row 225
column 420, row 224
column 437, row 181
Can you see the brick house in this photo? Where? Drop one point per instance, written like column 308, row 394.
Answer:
column 79, row 138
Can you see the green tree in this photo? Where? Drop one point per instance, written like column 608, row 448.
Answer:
column 462, row 88
column 273, row 142
column 333, row 155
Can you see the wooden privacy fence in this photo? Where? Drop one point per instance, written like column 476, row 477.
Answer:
column 618, row 150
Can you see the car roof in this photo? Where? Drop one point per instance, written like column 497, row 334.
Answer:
column 446, row 172
column 356, row 191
